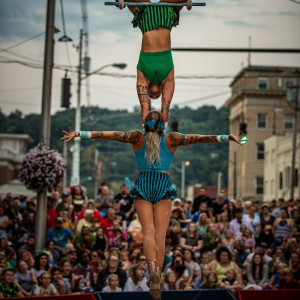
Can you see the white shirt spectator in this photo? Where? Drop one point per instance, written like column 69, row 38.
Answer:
column 140, row 286
column 234, row 226
column 267, row 258
column 252, row 224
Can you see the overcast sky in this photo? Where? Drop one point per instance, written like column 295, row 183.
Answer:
column 223, row 23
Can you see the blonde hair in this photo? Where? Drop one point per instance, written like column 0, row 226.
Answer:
column 112, row 276
column 152, row 140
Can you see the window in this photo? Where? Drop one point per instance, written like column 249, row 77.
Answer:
column 261, row 121
column 259, row 185
column 289, row 82
column 288, row 122
column 260, row 151
column 287, row 176
column 280, row 180
column 262, row 83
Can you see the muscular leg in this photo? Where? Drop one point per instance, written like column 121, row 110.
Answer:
column 167, row 95
column 162, row 214
column 144, row 210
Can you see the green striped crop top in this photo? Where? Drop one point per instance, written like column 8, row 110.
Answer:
column 148, row 18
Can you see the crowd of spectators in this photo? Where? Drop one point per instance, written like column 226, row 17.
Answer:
column 97, row 245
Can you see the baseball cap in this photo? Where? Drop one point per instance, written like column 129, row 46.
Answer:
column 64, row 194
column 177, row 200
column 263, row 244
column 59, row 220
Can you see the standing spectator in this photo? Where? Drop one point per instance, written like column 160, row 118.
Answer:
column 126, row 203
column 44, row 286
column 112, row 284
column 202, row 224
column 61, row 284
column 283, row 227
column 85, row 240
column 223, row 263
column 8, row 288
column 137, row 279
column 41, row 264
column 25, row 278
column 201, row 198
column 104, row 199
column 101, row 242
column 257, row 271
column 79, row 199
column 51, row 214
column 287, row 281
column 83, row 274
column 112, row 268
column 59, row 235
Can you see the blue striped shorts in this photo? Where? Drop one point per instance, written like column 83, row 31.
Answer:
column 153, row 187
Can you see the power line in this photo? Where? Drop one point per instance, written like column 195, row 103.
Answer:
column 204, row 98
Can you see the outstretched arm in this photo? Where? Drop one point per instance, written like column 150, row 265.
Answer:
column 178, row 139
column 132, row 137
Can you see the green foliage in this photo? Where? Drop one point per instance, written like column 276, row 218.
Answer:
column 118, row 160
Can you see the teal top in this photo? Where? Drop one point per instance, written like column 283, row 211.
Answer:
column 148, row 18
column 166, row 157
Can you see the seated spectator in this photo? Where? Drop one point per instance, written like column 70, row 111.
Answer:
column 200, row 199
column 91, row 206
column 26, row 256
column 266, row 218
column 294, row 265
column 210, row 215
column 44, row 286
column 230, row 281
column 101, row 242
column 175, row 226
column 191, row 240
column 170, row 281
column 262, row 248
column 277, row 258
column 8, row 288
column 204, row 272
column 235, row 224
column 79, row 199
column 86, row 221
column 51, row 214
column 178, row 204
column 240, row 253
column 224, row 262
column 112, row 284
column 29, row 246
column 53, row 254
column 202, row 224
column 95, row 263
column 211, row 281
column 61, row 284
column 266, row 235
column 114, row 233
column 283, row 227
column 248, row 238
column 25, row 278
column 172, row 237
column 222, row 224
column 274, row 280
column 136, row 280
column 59, row 235
column 72, row 255
column 125, row 262
column 231, row 211
column 188, row 209
column 67, row 273
column 135, row 232
column 287, row 281
column 4, row 223
column 228, row 241
column 252, row 221
column 104, row 199
column 219, row 205
column 296, row 219
column 41, row 264
column 85, row 240
column 112, row 268
column 83, row 274
column 190, row 259
column 202, row 210
column 120, row 213
column 108, row 221
column 211, row 240
column 64, row 203
column 126, row 202
column 257, row 271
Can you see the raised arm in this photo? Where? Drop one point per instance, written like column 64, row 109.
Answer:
column 132, row 137
column 177, row 139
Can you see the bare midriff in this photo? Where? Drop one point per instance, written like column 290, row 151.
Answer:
column 167, row 172
column 156, row 40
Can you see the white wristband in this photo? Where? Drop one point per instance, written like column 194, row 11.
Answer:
column 85, row 134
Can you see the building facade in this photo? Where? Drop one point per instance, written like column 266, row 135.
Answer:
column 258, row 106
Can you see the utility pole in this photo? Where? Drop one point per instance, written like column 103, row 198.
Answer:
column 45, row 119
column 75, row 177
column 234, row 175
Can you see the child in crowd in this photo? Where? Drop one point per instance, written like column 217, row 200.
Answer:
column 274, row 281
column 7, row 287
column 204, row 272
column 228, row 242
column 113, row 284
column 211, row 281
column 61, row 284
column 230, row 281
column 287, row 281
column 67, row 273
column 137, row 279
column 170, row 281
column 44, row 286
column 25, row 278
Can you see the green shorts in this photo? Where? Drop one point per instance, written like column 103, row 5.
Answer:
column 156, row 65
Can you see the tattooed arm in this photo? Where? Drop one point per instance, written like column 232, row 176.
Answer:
column 132, row 137
column 176, row 139
column 143, row 94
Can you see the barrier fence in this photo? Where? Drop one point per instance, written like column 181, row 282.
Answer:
column 269, row 294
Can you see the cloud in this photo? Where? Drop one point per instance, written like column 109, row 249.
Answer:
column 240, row 23
column 289, row 14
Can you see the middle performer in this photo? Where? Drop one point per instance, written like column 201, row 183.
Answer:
column 153, row 191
